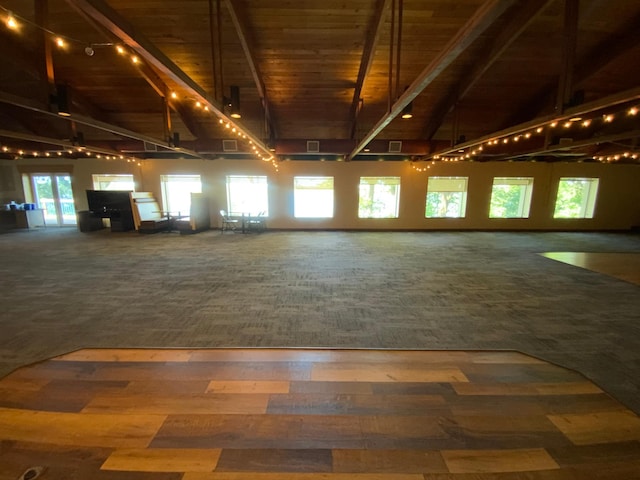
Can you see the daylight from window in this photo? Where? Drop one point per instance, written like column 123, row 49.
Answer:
column 511, row 197
column 247, row 195
column 113, row 182
column 576, row 198
column 446, row 197
column 177, row 190
column 379, row 197
column 313, row 197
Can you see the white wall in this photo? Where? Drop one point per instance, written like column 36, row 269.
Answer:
column 617, row 207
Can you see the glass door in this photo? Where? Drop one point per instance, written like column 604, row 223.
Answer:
column 54, row 195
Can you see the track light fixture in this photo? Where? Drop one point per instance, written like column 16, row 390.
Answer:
column 233, row 102
column 407, row 112
column 61, row 100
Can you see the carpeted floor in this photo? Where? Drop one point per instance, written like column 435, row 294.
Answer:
column 65, row 290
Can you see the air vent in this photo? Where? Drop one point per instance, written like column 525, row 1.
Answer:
column 313, row 146
column 395, row 146
column 229, row 145
column 150, row 147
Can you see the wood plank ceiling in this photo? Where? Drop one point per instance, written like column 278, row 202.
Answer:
column 340, row 73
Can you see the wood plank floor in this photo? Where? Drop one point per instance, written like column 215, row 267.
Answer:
column 624, row 266
column 311, row 414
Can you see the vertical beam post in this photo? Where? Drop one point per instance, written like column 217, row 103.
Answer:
column 565, row 81
column 41, row 9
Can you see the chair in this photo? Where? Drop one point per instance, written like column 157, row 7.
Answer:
column 257, row 223
column 228, row 223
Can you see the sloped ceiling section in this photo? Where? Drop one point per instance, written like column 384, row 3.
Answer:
column 485, row 80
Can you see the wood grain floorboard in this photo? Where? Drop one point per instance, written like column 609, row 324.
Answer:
column 624, row 266
column 230, row 414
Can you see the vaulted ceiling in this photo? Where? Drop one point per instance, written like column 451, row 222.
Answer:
column 485, row 79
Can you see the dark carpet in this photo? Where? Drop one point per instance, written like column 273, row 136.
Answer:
column 65, row 290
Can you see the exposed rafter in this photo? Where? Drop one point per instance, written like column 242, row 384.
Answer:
column 35, row 106
column 520, row 19
column 246, row 40
column 154, row 80
column 569, row 45
column 580, row 110
column 368, row 52
column 54, row 141
column 478, row 23
column 594, row 61
column 108, row 18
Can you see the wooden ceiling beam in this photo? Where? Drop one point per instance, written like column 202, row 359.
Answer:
column 108, row 18
column 594, row 61
column 368, row 53
column 520, row 20
column 620, row 98
column 66, row 144
column 478, row 23
column 239, row 19
column 569, row 45
column 158, row 85
column 38, row 107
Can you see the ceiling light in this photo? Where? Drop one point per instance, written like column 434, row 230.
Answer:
column 11, row 22
column 234, row 102
column 407, row 111
column 60, row 42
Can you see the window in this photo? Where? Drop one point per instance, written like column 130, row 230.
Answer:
column 446, row 197
column 379, row 197
column 511, row 197
column 177, row 190
column 576, row 198
column 114, row 182
column 313, row 197
column 247, row 195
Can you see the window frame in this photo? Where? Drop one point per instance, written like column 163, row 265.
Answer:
column 260, row 208
column 463, row 200
column 588, row 204
column 524, row 202
column 320, row 179
column 95, row 178
column 166, row 179
column 373, row 183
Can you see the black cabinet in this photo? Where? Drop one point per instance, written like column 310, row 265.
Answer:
column 121, row 220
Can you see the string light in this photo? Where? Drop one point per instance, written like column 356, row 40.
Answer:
column 11, row 22
column 46, row 154
column 516, row 137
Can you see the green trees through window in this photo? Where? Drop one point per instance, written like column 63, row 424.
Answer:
column 576, row 198
column 510, row 197
column 379, row 197
column 446, row 197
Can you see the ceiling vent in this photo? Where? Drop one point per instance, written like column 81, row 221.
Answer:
column 150, row 147
column 395, row 146
column 313, row 146
column 229, row 145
